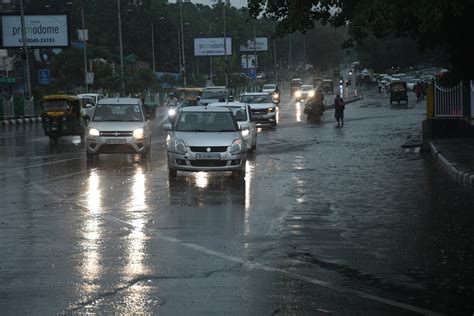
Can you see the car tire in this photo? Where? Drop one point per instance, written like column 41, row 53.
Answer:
column 89, row 156
column 254, row 146
column 172, row 173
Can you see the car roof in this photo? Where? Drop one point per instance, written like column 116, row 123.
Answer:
column 88, row 94
column 307, row 86
column 255, row 93
column 120, row 101
column 215, row 88
column 227, row 104
column 200, row 108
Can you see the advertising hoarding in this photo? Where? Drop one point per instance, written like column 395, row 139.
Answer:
column 212, row 46
column 261, row 45
column 41, row 31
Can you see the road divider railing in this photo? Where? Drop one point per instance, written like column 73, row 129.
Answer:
column 18, row 110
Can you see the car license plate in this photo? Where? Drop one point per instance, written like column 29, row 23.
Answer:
column 115, row 141
column 208, row 156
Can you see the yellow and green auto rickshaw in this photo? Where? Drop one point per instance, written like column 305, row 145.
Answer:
column 63, row 115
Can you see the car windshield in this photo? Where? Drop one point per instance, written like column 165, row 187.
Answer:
column 117, row 113
column 206, row 122
column 55, row 105
column 216, row 94
column 306, row 88
column 256, row 99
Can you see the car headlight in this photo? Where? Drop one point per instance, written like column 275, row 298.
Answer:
column 245, row 132
column 177, row 145
column 276, row 95
column 236, row 146
column 94, row 132
column 168, row 139
column 311, row 94
column 298, row 94
column 270, row 110
column 138, row 133
column 171, row 112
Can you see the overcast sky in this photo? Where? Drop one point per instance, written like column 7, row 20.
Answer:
column 235, row 3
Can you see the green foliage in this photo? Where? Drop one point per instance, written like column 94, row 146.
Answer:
column 432, row 24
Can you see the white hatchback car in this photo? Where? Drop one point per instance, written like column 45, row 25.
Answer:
column 205, row 138
column 119, row 125
column 243, row 116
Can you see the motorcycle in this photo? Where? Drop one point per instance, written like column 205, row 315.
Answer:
column 276, row 97
column 314, row 110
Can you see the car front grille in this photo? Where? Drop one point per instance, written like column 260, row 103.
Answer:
column 260, row 111
column 204, row 149
column 208, row 163
column 116, row 133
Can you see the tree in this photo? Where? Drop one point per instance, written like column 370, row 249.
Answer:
column 432, row 24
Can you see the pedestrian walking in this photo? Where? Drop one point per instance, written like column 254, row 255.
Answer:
column 418, row 91
column 339, row 110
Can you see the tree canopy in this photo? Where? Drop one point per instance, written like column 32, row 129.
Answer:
column 433, row 24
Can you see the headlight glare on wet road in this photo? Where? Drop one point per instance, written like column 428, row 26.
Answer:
column 94, row 132
column 138, row 133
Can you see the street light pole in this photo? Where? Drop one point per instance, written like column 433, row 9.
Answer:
column 85, row 49
column 121, row 48
column 25, row 50
column 182, row 41
column 255, row 51
column 225, row 49
column 153, row 47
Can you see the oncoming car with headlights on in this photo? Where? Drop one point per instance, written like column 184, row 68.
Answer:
column 205, row 139
column 305, row 92
column 262, row 105
column 119, row 125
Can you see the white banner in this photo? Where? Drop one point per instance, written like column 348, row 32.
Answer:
column 41, row 31
column 261, row 45
column 212, row 46
column 249, row 61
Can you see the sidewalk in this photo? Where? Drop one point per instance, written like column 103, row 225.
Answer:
column 455, row 156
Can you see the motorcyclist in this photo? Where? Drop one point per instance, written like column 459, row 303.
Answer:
column 315, row 107
column 276, row 95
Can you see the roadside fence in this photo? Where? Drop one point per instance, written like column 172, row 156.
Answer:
column 448, row 101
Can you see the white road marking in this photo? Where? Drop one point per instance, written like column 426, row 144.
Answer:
column 254, row 265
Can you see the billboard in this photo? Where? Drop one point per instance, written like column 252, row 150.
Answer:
column 261, row 45
column 41, row 31
column 249, row 61
column 212, row 46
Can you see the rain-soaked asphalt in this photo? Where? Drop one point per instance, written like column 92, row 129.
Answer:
column 329, row 220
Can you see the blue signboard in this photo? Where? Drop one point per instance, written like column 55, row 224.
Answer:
column 252, row 73
column 44, row 76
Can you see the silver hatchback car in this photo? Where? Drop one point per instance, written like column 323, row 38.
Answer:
column 118, row 125
column 205, row 139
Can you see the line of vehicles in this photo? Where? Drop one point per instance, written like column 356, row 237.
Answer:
column 214, row 136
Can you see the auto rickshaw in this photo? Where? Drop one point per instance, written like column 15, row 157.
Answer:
column 328, row 86
column 190, row 95
column 398, row 91
column 63, row 115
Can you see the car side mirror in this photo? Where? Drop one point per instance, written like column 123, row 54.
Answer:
column 167, row 127
column 88, row 105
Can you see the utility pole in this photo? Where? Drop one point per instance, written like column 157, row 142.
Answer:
column 153, row 47
column 121, row 47
column 275, row 54
column 182, row 42
column 85, row 49
column 25, row 50
column 255, row 50
column 225, row 49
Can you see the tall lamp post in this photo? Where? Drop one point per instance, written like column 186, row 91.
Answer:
column 182, row 42
column 225, row 48
column 85, row 49
column 25, row 50
column 121, row 48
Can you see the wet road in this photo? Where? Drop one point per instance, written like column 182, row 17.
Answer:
column 329, row 220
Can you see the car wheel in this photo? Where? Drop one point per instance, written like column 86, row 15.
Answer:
column 172, row 173
column 254, row 146
column 89, row 156
column 274, row 124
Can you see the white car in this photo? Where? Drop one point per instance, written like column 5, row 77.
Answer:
column 243, row 117
column 205, row 138
column 269, row 88
column 213, row 94
column 305, row 92
column 94, row 97
column 263, row 108
column 119, row 125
